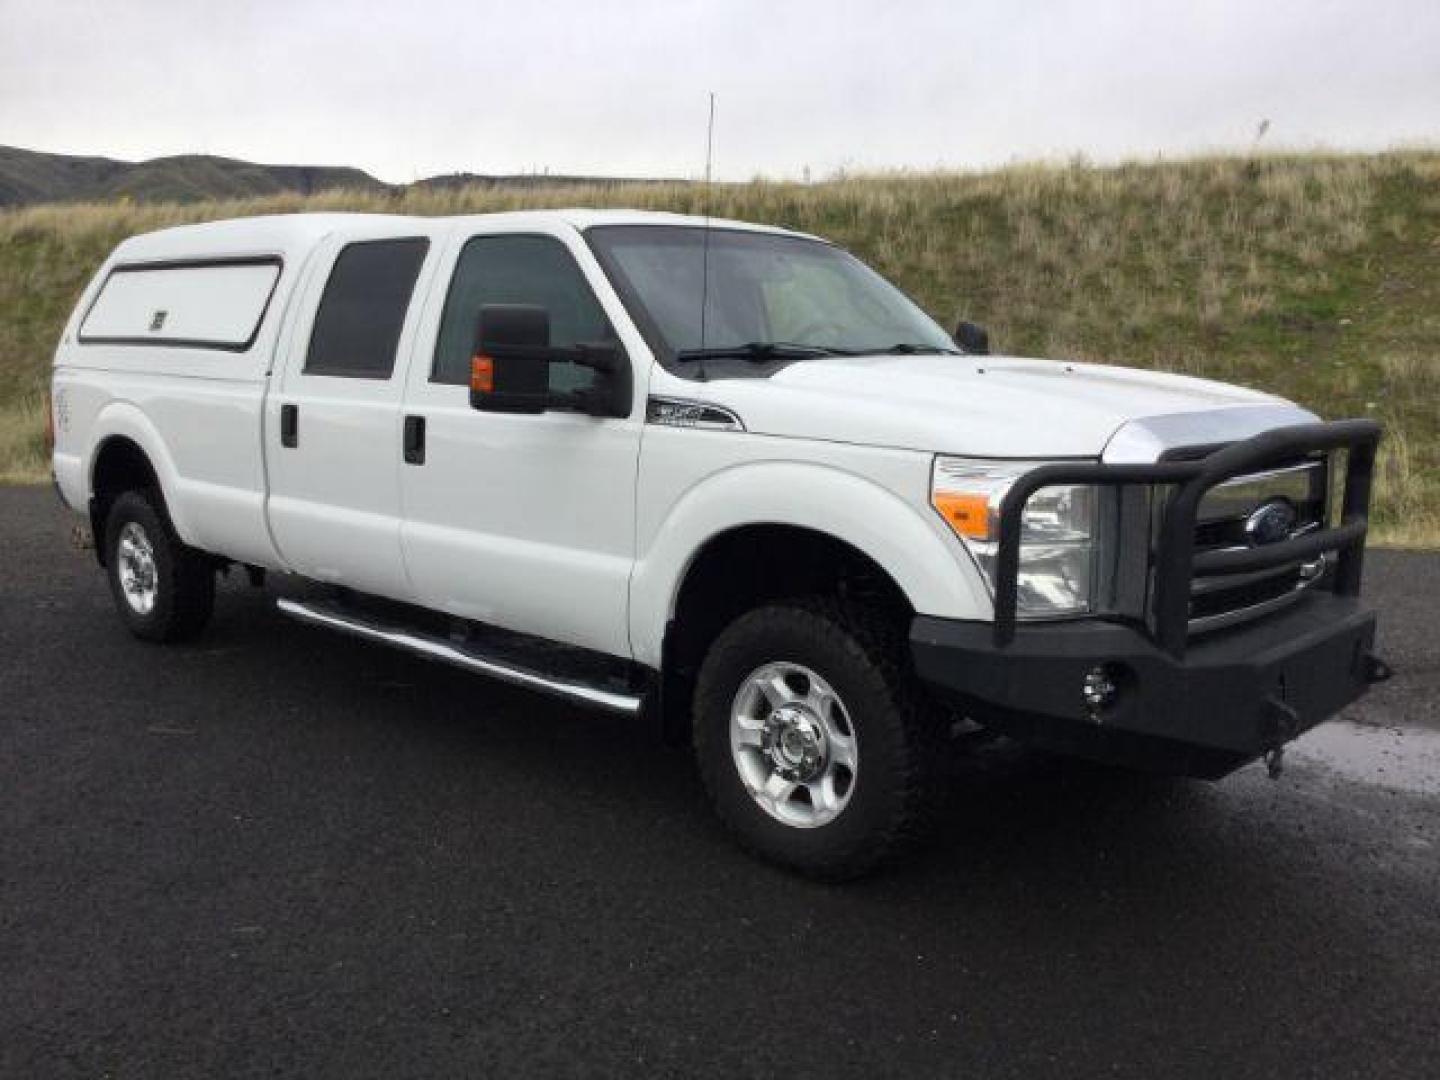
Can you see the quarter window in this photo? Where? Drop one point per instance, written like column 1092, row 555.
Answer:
column 357, row 327
column 519, row 269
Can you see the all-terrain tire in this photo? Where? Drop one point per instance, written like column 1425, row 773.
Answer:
column 177, row 593
column 899, row 733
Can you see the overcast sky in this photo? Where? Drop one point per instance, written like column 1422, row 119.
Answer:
column 410, row 88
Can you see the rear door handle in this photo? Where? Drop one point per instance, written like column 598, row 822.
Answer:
column 289, row 424
column 414, row 441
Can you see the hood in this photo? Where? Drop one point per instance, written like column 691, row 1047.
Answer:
column 992, row 406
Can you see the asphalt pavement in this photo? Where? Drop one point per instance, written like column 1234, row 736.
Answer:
column 280, row 851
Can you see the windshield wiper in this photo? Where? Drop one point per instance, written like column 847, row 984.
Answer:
column 910, row 348
column 759, row 352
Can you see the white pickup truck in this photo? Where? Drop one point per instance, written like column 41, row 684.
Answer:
column 723, row 476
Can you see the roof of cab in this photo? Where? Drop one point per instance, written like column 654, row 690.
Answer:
column 293, row 234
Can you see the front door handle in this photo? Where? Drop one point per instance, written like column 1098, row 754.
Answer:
column 414, row 440
column 289, row 424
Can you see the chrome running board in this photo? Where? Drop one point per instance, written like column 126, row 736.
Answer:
column 469, row 658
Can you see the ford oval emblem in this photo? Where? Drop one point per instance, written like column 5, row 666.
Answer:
column 1271, row 522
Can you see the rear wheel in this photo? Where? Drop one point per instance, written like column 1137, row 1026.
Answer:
column 164, row 591
column 818, row 749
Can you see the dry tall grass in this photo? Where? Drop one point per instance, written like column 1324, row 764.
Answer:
column 23, row 457
column 1312, row 276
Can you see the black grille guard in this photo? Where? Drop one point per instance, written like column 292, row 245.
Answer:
column 1176, row 563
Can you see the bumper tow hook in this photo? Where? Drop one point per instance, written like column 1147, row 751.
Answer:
column 1377, row 670
column 1284, row 722
column 1274, row 762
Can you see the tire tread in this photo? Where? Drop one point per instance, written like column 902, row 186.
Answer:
column 875, row 645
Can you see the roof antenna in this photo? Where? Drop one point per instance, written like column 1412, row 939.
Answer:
column 705, row 243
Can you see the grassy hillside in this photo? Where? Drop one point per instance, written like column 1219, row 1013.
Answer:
column 1317, row 277
column 28, row 176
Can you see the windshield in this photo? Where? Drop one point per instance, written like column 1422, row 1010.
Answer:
column 768, row 296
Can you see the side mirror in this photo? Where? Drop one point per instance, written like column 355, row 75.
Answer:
column 510, row 367
column 973, row 338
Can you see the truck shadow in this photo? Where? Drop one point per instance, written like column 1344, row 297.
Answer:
column 1009, row 810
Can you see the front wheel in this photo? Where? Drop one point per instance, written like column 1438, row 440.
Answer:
column 817, row 746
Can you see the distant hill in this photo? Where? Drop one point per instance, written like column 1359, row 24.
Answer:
column 459, row 181
column 28, row 176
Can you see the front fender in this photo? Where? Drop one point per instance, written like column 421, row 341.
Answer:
column 902, row 539
column 125, row 420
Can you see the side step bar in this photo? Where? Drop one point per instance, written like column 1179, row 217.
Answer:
column 435, row 648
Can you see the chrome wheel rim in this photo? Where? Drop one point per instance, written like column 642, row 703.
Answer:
column 135, row 560
column 794, row 745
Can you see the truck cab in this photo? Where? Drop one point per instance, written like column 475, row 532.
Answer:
column 724, row 477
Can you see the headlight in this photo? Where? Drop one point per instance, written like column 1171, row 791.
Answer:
column 1057, row 534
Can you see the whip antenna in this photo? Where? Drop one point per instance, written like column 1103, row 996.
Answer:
column 705, row 243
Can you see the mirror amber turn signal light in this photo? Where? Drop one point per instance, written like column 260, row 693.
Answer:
column 967, row 513
column 482, row 374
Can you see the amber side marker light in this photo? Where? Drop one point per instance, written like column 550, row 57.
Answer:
column 968, row 513
column 482, row 374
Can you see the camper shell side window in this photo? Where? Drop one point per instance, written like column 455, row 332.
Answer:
column 197, row 304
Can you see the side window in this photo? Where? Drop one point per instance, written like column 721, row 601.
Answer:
column 518, row 270
column 357, row 327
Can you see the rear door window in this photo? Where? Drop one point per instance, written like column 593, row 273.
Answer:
column 362, row 311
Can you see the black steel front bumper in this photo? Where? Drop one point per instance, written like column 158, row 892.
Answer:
column 1230, row 699
column 1198, row 705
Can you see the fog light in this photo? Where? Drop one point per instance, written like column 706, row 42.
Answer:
column 1098, row 689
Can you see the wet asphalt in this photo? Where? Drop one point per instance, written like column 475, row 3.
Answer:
column 282, row 852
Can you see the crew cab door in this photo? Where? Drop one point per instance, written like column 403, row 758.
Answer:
column 524, row 521
column 332, row 419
